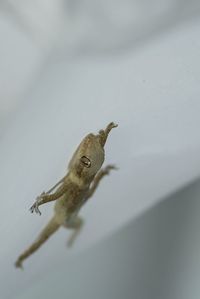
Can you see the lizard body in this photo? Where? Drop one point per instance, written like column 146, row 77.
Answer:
column 73, row 190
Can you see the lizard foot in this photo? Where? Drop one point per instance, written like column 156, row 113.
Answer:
column 35, row 206
column 108, row 168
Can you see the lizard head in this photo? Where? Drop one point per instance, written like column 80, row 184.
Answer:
column 89, row 156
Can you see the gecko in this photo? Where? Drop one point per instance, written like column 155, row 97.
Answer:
column 73, row 190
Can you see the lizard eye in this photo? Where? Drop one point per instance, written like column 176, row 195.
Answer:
column 85, row 161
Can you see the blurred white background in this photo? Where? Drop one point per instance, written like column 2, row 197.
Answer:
column 68, row 68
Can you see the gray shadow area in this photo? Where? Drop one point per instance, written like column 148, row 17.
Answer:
column 154, row 256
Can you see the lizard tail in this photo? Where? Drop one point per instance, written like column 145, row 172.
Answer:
column 50, row 228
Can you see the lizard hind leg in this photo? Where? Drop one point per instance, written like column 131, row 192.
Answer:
column 50, row 228
column 76, row 224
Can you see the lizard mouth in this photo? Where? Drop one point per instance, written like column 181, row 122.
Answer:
column 103, row 134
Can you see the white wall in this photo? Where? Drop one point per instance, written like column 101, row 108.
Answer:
column 149, row 87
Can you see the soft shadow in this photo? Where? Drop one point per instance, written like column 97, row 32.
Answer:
column 155, row 256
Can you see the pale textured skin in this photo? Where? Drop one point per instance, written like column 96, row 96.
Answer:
column 73, row 190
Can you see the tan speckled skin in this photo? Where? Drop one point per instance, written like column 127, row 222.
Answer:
column 74, row 189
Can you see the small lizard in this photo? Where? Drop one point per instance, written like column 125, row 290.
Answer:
column 73, row 190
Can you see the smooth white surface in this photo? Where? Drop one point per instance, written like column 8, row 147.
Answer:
column 19, row 62
column 151, row 91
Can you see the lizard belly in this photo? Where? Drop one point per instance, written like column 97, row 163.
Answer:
column 68, row 204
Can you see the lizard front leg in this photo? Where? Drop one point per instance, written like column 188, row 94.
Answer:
column 98, row 177
column 56, row 185
column 45, row 197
